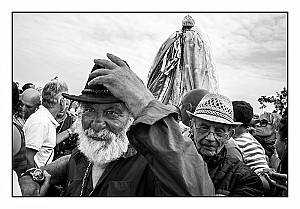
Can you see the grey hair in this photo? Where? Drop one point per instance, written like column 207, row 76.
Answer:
column 52, row 92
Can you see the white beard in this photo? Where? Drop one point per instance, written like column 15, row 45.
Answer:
column 109, row 147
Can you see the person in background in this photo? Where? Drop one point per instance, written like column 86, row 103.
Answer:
column 189, row 103
column 278, row 179
column 212, row 125
column 30, row 102
column 65, row 120
column 124, row 133
column 19, row 149
column 40, row 127
column 253, row 153
column 265, row 134
column 28, row 86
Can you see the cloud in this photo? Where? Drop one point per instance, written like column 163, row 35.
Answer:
column 246, row 47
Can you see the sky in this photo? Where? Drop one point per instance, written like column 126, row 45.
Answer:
column 249, row 49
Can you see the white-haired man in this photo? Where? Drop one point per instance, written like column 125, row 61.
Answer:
column 119, row 157
column 212, row 125
column 40, row 127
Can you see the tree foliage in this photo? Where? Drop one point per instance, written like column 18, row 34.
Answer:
column 279, row 101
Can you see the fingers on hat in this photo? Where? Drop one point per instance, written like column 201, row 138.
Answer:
column 99, row 80
column 116, row 60
column 107, row 64
column 99, row 72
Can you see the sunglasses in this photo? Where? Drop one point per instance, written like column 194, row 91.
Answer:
column 263, row 123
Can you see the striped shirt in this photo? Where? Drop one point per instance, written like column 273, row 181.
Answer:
column 254, row 153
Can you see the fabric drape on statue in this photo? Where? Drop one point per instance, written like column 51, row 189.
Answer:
column 183, row 62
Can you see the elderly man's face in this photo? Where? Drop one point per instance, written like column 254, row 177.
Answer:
column 97, row 117
column 102, row 131
column 210, row 137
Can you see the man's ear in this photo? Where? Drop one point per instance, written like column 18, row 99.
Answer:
column 231, row 133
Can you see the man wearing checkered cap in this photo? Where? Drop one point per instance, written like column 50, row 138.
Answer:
column 211, row 126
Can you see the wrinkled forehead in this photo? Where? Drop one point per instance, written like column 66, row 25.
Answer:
column 119, row 106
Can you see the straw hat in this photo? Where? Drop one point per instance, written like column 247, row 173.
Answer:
column 216, row 108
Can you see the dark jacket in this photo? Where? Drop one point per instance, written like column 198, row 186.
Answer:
column 166, row 164
column 124, row 177
column 232, row 177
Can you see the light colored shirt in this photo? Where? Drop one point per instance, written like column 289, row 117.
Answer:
column 40, row 135
column 254, row 153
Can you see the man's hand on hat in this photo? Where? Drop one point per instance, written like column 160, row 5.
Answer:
column 122, row 82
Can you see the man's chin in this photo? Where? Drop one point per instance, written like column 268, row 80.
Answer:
column 207, row 153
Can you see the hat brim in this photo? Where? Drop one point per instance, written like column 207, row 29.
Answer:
column 98, row 99
column 213, row 118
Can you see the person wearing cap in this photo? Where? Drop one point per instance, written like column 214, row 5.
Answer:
column 212, row 125
column 30, row 99
column 253, row 153
column 189, row 103
column 130, row 144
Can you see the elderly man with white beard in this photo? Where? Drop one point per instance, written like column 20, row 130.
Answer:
column 130, row 144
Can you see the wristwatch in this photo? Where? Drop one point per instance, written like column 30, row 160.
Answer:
column 36, row 174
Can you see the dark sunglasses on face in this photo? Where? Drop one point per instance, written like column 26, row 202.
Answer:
column 263, row 123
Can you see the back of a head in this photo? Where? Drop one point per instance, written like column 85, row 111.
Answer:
column 27, row 86
column 52, row 92
column 243, row 112
column 190, row 101
column 31, row 95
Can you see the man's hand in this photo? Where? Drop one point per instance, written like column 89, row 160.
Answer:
column 46, row 184
column 276, row 180
column 122, row 82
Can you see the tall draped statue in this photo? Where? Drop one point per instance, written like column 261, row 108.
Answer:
column 183, row 62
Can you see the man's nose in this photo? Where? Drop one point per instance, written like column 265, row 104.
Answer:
column 98, row 123
column 210, row 136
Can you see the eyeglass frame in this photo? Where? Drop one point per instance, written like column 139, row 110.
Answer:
column 214, row 133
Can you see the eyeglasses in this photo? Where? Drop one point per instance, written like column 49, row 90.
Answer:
column 263, row 123
column 206, row 131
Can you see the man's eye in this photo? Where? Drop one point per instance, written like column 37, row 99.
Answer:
column 203, row 128
column 112, row 113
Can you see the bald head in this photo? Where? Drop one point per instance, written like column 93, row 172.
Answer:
column 189, row 102
column 31, row 101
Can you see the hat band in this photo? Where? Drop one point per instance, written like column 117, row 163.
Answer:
column 216, row 113
column 95, row 91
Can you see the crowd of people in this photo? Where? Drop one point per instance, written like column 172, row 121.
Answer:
column 117, row 139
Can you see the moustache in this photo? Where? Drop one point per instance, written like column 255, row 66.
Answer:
column 103, row 135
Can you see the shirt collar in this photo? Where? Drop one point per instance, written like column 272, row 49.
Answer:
column 49, row 115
